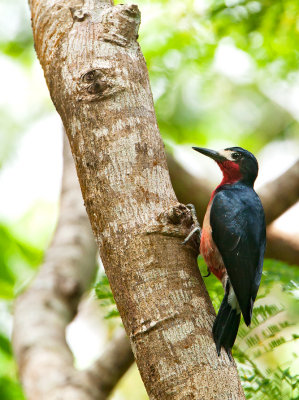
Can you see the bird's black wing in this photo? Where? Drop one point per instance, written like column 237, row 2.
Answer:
column 238, row 230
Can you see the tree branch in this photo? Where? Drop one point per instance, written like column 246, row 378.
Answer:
column 280, row 194
column 276, row 196
column 99, row 84
column 189, row 189
column 282, row 246
column 42, row 313
column 112, row 365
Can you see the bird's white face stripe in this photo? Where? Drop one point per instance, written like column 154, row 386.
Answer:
column 227, row 154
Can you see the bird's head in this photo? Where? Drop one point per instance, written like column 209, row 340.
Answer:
column 236, row 164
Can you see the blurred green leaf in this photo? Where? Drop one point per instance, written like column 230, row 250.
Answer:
column 5, row 345
column 6, row 290
column 102, row 289
column 105, row 296
column 112, row 314
column 16, row 259
column 10, row 390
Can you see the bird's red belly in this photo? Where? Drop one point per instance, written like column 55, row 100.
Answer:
column 209, row 250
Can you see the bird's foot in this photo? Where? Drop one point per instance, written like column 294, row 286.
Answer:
column 193, row 213
column 194, row 230
column 196, row 225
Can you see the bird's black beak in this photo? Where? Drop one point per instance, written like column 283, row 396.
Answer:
column 210, row 153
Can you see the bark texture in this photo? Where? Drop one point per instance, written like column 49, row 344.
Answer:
column 99, row 84
column 42, row 313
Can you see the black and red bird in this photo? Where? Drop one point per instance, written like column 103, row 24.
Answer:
column 233, row 240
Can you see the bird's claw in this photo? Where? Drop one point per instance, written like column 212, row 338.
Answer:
column 194, row 230
column 193, row 213
column 195, row 224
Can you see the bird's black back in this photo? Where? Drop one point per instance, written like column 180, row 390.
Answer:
column 238, row 230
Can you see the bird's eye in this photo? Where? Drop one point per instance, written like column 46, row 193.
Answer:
column 236, row 156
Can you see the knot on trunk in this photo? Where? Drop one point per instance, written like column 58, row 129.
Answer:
column 121, row 24
column 98, row 68
column 179, row 214
column 97, row 84
column 79, row 14
column 176, row 221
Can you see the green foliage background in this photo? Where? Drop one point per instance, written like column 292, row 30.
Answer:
column 196, row 102
column 264, row 352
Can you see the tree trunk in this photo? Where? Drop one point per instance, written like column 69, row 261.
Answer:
column 99, row 84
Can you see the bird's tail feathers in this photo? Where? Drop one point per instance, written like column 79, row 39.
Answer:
column 226, row 326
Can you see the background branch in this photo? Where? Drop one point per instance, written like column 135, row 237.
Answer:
column 282, row 246
column 189, row 189
column 111, row 366
column 281, row 193
column 42, row 312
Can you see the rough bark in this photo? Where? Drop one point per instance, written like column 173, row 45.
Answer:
column 42, row 313
column 277, row 196
column 99, row 84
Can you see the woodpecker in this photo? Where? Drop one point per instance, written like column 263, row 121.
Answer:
column 233, row 240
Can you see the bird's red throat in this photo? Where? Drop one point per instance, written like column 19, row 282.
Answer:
column 231, row 172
